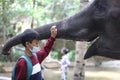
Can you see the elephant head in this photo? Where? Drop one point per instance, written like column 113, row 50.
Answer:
column 99, row 19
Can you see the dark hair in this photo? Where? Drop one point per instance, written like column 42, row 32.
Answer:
column 65, row 50
column 29, row 35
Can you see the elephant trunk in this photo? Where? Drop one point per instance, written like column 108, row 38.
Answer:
column 44, row 31
column 10, row 43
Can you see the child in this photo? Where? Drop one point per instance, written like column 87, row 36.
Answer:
column 36, row 56
column 64, row 63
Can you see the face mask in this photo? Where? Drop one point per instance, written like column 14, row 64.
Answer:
column 34, row 50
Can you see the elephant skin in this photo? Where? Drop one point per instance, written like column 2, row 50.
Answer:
column 99, row 20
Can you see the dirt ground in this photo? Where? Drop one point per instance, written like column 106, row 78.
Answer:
column 91, row 73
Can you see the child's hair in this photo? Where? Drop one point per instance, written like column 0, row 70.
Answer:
column 29, row 35
column 65, row 50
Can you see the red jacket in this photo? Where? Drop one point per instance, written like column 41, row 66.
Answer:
column 20, row 70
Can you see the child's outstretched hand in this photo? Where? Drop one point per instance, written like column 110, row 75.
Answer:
column 53, row 30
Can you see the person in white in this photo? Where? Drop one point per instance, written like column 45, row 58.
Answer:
column 64, row 63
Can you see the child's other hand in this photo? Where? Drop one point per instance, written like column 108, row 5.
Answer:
column 53, row 30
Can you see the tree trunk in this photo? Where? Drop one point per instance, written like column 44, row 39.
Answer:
column 4, row 20
column 32, row 21
column 79, row 73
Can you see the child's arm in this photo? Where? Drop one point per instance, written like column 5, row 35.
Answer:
column 43, row 53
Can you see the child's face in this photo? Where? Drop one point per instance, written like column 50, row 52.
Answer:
column 32, row 44
column 62, row 52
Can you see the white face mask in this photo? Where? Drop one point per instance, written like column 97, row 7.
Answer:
column 34, row 50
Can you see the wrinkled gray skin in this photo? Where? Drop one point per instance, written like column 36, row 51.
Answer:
column 100, row 19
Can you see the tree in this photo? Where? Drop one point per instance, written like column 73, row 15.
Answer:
column 81, row 47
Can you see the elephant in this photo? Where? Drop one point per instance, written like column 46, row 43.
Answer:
column 98, row 21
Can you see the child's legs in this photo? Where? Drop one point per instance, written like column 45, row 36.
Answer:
column 64, row 75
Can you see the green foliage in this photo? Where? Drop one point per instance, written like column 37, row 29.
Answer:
column 57, row 9
column 17, row 52
column 3, row 58
column 57, row 55
column 71, row 55
column 16, row 55
column 54, row 54
column 44, row 11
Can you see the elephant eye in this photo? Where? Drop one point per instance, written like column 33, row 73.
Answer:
column 100, row 8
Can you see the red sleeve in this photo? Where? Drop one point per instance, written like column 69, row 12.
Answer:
column 43, row 53
column 20, row 70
